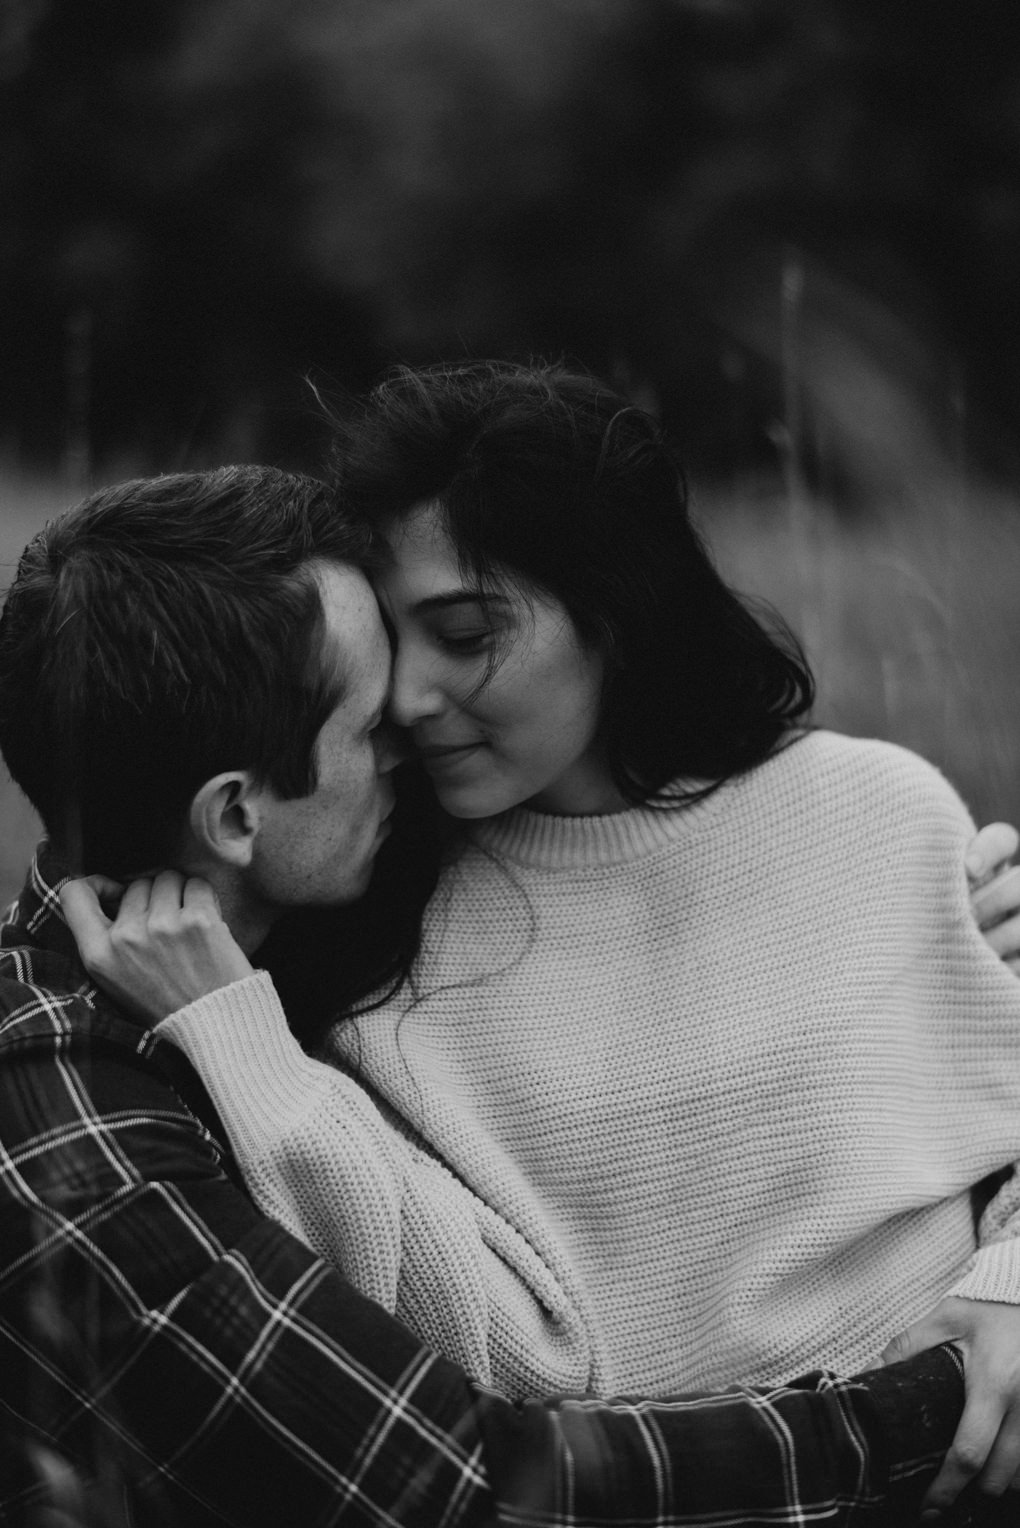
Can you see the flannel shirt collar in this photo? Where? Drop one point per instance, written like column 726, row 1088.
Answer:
column 36, row 917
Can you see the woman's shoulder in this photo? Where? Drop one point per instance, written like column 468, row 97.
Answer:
column 884, row 780
column 870, row 758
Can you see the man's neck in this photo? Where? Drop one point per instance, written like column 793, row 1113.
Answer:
column 248, row 920
column 250, row 926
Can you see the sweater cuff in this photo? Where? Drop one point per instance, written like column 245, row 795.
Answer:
column 992, row 1274
column 255, row 1072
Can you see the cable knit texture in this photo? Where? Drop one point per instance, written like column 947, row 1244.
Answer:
column 678, row 1098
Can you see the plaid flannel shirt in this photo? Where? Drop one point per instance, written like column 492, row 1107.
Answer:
column 170, row 1356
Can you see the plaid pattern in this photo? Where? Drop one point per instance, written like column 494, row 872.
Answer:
column 169, row 1356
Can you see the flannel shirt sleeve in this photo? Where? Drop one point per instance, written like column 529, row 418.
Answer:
column 162, row 1344
column 158, row 1331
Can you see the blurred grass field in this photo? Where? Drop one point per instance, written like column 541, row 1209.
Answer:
column 26, row 503
column 910, row 611
column 910, row 614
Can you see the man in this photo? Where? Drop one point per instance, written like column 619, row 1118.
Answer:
column 193, row 673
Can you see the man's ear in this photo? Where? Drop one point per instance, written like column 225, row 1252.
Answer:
column 225, row 818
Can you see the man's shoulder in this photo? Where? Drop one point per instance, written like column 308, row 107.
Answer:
column 55, row 1022
column 44, row 990
column 45, row 995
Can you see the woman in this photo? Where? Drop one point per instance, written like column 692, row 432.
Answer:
column 701, row 1054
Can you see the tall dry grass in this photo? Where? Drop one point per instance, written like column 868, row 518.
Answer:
column 907, row 597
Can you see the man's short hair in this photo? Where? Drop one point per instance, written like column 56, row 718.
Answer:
column 162, row 631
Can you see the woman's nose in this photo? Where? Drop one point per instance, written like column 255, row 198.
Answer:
column 414, row 693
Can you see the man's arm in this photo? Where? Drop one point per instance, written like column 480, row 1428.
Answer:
column 165, row 1343
column 985, row 1323
column 155, row 1328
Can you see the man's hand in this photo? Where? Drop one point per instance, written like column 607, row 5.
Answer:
column 166, row 946
column 986, row 1448
column 995, row 889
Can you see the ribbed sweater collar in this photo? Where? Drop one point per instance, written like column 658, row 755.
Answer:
column 549, row 842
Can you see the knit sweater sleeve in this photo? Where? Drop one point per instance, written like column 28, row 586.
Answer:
column 993, row 1272
column 318, row 1156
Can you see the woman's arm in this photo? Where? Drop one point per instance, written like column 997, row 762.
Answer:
column 318, row 1156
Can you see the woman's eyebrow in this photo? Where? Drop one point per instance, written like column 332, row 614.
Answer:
column 460, row 597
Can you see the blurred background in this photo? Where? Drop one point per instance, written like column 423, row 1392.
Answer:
column 791, row 228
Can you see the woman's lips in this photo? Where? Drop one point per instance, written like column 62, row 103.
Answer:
column 438, row 755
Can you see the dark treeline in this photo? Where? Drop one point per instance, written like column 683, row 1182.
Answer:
column 207, row 199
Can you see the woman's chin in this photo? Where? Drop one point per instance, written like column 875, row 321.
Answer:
column 471, row 804
column 455, row 805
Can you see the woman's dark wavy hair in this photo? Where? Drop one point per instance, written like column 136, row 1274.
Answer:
column 550, row 475
column 551, row 479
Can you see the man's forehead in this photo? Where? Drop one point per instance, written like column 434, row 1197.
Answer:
column 355, row 647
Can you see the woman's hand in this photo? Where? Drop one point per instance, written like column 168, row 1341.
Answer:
column 995, row 889
column 986, row 1448
column 166, row 946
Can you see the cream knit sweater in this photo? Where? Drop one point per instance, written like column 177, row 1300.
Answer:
column 685, row 1097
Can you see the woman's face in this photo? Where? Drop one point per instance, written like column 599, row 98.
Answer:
column 500, row 697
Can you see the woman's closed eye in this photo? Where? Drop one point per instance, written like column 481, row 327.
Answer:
column 465, row 640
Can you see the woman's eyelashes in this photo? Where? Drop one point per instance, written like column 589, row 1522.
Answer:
column 472, row 624
column 468, row 630
column 465, row 640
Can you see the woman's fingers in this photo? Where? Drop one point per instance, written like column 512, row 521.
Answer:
column 106, row 889
column 199, row 897
column 166, row 946
column 84, row 916
column 167, row 891
column 134, row 904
